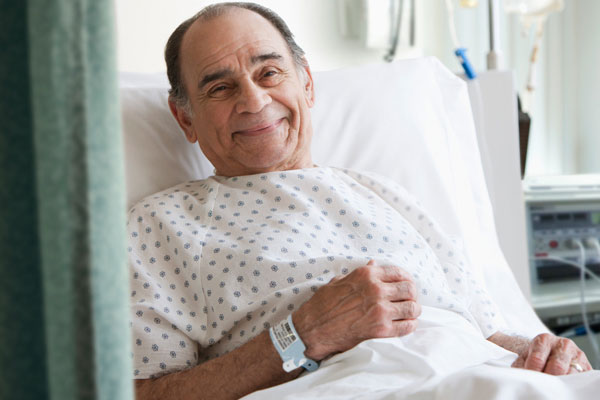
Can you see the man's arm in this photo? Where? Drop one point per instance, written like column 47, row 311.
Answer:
column 544, row 353
column 253, row 366
column 371, row 302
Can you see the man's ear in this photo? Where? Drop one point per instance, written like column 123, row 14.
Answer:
column 309, row 88
column 183, row 119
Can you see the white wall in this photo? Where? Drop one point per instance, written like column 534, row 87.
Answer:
column 565, row 137
column 586, row 79
column 562, row 138
column 145, row 25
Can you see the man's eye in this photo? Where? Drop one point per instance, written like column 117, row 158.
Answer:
column 218, row 90
column 269, row 74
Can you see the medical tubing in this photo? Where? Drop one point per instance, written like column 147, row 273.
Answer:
column 573, row 332
column 395, row 23
column 451, row 25
column 586, row 322
column 571, row 263
column 459, row 52
column 535, row 49
column 591, row 336
column 583, row 270
column 527, row 98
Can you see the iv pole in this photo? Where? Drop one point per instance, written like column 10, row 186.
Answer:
column 494, row 56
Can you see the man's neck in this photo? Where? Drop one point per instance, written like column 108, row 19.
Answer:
column 286, row 166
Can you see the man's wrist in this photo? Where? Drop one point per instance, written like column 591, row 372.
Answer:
column 290, row 346
column 516, row 344
column 314, row 348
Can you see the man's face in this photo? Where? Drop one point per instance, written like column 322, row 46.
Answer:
column 250, row 103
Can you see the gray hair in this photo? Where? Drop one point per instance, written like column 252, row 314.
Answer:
column 177, row 92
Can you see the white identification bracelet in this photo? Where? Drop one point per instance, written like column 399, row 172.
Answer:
column 289, row 346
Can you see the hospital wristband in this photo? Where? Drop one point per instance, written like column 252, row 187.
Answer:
column 290, row 347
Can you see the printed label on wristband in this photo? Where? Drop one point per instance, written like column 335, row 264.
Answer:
column 284, row 335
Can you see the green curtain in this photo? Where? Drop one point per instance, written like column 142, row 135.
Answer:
column 64, row 330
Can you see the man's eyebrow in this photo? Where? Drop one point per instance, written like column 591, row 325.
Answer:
column 213, row 77
column 265, row 57
column 226, row 72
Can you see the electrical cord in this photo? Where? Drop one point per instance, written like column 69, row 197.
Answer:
column 584, row 316
column 593, row 242
column 571, row 263
column 451, row 25
column 582, row 271
column 574, row 332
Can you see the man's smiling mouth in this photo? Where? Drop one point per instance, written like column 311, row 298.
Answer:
column 261, row 128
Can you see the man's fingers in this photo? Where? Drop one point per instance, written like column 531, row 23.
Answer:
column 583, row 362
column 519, row 362
column 558, row 363
column 553, row 355
column 391, row 273
column 538, row 353
column 400, row 291
column 559, row 360
column 395, row 311
column 402, row 328
column 405, row 310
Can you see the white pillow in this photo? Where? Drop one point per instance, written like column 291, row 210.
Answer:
column 359, row 119
column 409, row 120
column 157, row 154
column 389, row 119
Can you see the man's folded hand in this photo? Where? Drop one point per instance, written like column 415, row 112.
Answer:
column 371, row 302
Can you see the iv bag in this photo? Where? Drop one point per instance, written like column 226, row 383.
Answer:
column 469, row 3
column 533, row 8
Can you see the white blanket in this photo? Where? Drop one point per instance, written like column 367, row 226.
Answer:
column 445, row 358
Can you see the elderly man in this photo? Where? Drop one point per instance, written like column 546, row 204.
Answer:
column 275, row 261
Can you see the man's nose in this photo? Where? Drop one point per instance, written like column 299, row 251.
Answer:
column 252, row 98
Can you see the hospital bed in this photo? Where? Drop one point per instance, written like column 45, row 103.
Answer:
column 409, row 120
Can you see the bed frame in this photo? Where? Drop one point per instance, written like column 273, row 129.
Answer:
column 494, row 103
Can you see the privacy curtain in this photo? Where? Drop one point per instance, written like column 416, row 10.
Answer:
column 63, row 280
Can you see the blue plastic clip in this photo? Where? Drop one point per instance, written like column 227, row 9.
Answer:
column 461, row 53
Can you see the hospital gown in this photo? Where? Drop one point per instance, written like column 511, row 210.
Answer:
column 217, row 261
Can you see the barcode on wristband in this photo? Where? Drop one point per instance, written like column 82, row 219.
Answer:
column 284, row 335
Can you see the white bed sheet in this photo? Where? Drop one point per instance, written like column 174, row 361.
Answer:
column 445, row 358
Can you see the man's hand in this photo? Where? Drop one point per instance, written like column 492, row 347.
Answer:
column 371, row 302
column 545, row 353
column 553, row 355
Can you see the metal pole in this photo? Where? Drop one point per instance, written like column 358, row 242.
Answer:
column 494, row 56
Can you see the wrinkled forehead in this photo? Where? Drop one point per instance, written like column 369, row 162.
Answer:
column 238, row 32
